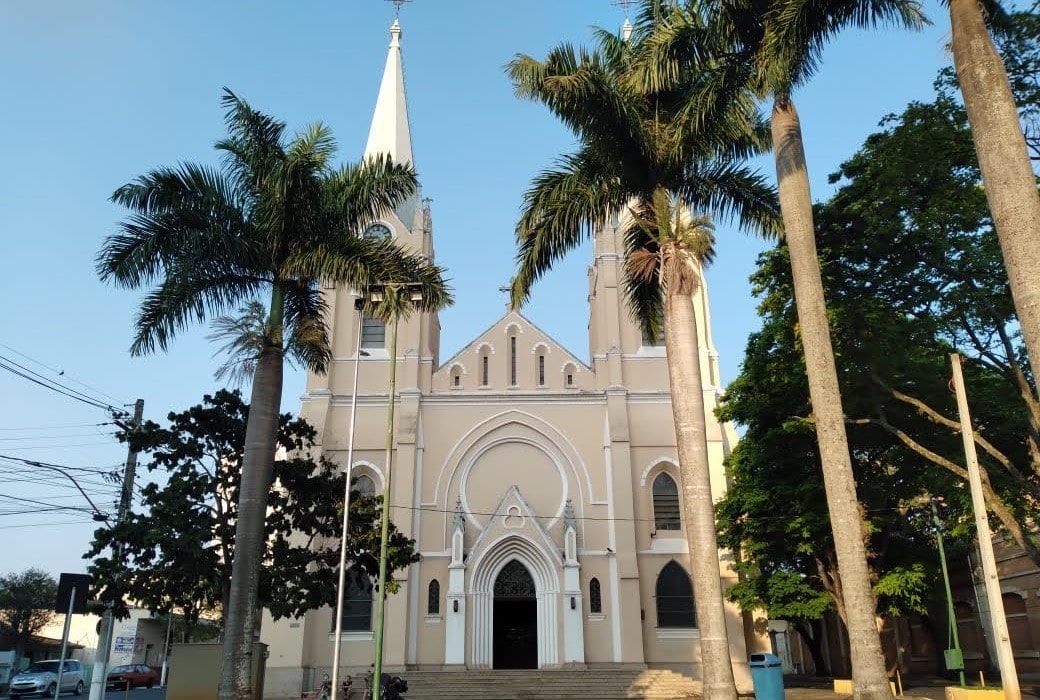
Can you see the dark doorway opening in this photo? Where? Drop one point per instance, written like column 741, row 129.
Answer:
column 515, row 615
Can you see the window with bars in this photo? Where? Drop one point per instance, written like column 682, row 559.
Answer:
column 512, row 360
column 666, row 503
column 595, row 597
column 373, row 332
column 674, row 594
column 433, row 598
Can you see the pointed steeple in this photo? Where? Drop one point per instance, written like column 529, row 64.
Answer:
column 389, row 132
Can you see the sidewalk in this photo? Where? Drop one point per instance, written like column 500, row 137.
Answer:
column 810, row 688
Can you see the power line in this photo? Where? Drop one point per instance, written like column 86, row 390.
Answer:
column 37, row 378
column 45, row 524
column 61, row 373
column 60, row 427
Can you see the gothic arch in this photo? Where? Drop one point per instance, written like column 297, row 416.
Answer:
column 486, row 567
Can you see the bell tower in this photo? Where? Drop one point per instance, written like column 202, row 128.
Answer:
column 410, row 226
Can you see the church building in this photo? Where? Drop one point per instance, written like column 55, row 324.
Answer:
column 541, row 489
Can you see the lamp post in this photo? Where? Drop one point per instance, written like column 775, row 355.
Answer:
column 392, row 295
column 359, row 305
column 953, row 656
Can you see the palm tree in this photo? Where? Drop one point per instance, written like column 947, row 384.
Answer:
column 783, row 40
column 657, row 157
column 277, row 217
column 1007, row 173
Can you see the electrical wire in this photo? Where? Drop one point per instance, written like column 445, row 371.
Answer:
column 37, row 378
column 61, row 373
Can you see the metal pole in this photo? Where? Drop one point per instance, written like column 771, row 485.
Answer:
column 359, row 304
column 97, row 678
column 384, row 532
column 1001, row 638
column 64, row 642
column 951, row 614
column 166, row 652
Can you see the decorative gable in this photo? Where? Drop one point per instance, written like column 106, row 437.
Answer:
column 513, row 355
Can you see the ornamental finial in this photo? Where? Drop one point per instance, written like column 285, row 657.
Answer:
column 458, row 521
column 569, row 521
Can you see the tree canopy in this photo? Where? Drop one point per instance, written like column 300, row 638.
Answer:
column 177, row 551
column 913, row 272
column 26, row 606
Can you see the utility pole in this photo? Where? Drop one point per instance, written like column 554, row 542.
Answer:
column 97, row 679
column 1001, row 637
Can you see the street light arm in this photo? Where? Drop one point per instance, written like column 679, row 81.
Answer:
column 98, row 515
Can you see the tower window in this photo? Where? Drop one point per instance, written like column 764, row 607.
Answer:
column 433, row 602
column 674, row 595
column 512, row 360
column 595, row 597
column 666, row 503
column 373, row 332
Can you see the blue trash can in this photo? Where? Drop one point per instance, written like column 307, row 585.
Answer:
column 767, row 676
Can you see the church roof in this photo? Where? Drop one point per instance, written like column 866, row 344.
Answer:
column 389, row 132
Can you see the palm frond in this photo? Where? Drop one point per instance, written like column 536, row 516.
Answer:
column 732, row 192
column 243, row 335
column 560, row 210
column 184, row 297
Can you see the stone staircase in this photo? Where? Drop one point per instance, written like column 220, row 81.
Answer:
column 563, row 684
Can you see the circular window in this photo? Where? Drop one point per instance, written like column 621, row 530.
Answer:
column 377, row 232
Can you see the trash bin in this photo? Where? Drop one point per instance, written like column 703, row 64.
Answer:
column 767, row 676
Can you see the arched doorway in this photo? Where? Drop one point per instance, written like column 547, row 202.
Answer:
column 515, row 619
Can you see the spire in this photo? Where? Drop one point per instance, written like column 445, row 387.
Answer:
column 389, row 132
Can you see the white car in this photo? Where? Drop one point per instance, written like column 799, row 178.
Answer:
column 42, row 678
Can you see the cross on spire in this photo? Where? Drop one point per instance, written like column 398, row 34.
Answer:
column 398, row 3
column 624, row 4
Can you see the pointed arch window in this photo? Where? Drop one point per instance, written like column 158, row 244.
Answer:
column 595, row 597
column 674, row 595
column 433, row 598
column 364, row 486
column 485, row 362
column 512, row 360
column 357, row 603
column 666, row 503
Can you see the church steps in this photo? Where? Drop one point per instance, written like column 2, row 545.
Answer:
column 569, row 684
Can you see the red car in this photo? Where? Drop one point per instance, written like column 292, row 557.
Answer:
column 136, row 675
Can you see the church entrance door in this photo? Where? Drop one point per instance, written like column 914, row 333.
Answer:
column 515, row 615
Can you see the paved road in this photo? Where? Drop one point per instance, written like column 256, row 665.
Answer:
column 138, row 694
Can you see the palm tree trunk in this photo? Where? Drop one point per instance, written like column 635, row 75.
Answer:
column 257, row 475
column 1007, row 174
column 870, row 681
column 691, row 440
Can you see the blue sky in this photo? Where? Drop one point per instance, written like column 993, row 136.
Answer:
column 97, row 93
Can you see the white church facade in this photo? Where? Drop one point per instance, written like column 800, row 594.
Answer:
column 541, row 489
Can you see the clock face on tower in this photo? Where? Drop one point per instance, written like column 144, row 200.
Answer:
column 377, row 232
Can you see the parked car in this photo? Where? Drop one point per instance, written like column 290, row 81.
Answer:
column 136, row 675
column 42, row 678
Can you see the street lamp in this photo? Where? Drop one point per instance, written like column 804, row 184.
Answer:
column 953, row 656
column 359, row 305
column 397, row 299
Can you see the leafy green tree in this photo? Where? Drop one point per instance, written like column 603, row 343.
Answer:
column 276, row 218
column 177, row 551
column 26, row 607
column 913, row 271
column 661, row 158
